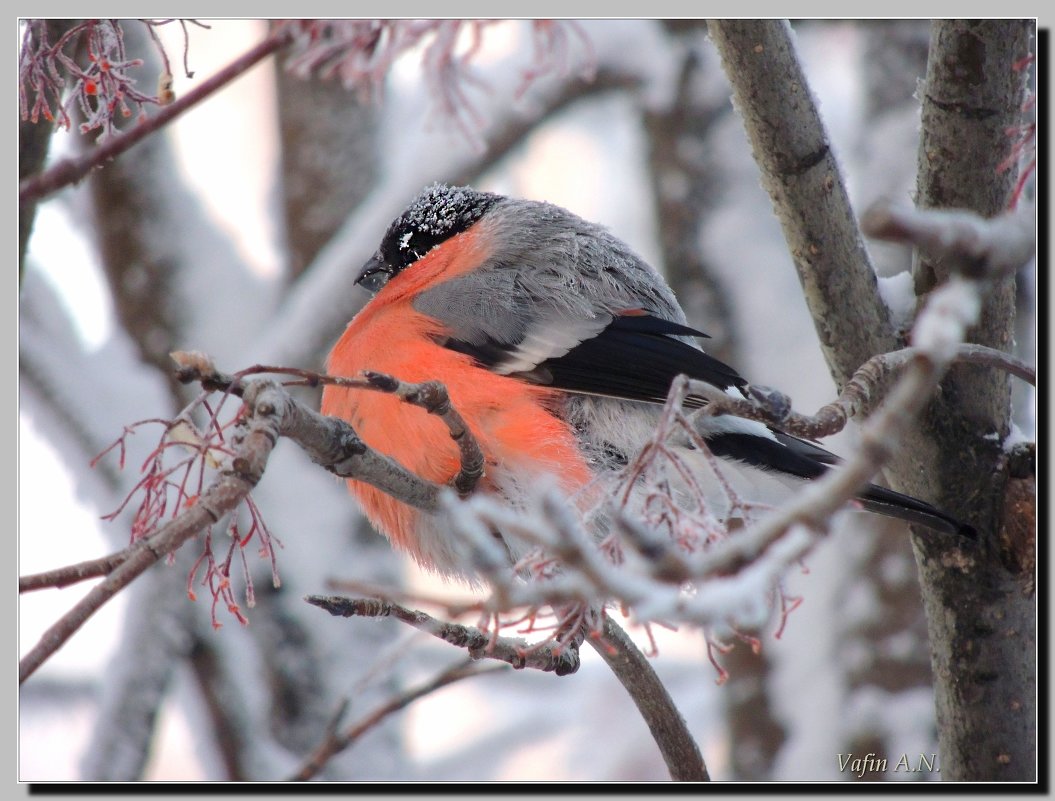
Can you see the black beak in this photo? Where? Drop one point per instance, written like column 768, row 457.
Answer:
column 375, row 274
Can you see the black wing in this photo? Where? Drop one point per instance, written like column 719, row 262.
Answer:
column 633, row 356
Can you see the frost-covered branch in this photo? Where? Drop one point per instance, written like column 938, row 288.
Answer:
column 858, row 396
column 71, row 170
column 101, row 89
column 650, row 571
column 478, row 643
column 972, row 106
column 270, row 413
column 244, row 469
column 33, row 138
column 979, row 247
column 334, row 445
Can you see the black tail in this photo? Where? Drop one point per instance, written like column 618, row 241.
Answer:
column 784, row 453
column 904, row 507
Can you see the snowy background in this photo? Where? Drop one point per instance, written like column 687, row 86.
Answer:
column 222, row 198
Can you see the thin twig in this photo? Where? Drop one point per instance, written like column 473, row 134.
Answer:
column 333, row 443
column 334, row 743
column 72, row 574
column 432, row 397
column 635, row 673
column 478, row 644
column 228, row 491
column 771, row 406
column 70, row 170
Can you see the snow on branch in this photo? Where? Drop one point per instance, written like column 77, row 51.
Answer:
column 860, row 393
column 982, row 248
column 698, row 574
column 333, row 443
column 251, row 448
column 73, row 169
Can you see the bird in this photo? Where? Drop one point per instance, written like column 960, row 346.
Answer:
column 558, row 346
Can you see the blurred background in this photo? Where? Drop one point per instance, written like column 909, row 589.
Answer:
column 237, row 231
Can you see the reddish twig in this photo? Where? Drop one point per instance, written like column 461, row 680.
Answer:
column 360, row 53
column 225, row 494
column 71, row 170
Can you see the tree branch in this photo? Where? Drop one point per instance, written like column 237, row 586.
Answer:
column 680, row 752
column 982, row 615
column 432, row 397
column 333, row 444
column 33, row 141
column 678, row 748
column 336, row 742
column 857, row 398
column 806, row 186
column 649, row 586
column 71, row 170
column 73, row 574
column 479, row 644
column 982, row 629
column 977, row 246
column 233, row 484
column 273, row 413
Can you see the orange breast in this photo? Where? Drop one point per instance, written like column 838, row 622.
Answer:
column 511, row 420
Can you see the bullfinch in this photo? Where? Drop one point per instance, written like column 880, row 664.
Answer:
column 558, row 345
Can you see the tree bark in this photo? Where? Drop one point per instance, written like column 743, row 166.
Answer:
column 980, row 611
column 980, row 618
column 885, row 653
column 801, row 175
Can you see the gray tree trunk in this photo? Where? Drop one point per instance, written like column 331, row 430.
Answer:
column 980, row 609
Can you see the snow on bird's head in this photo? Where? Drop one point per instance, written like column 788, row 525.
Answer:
column 437, row 214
